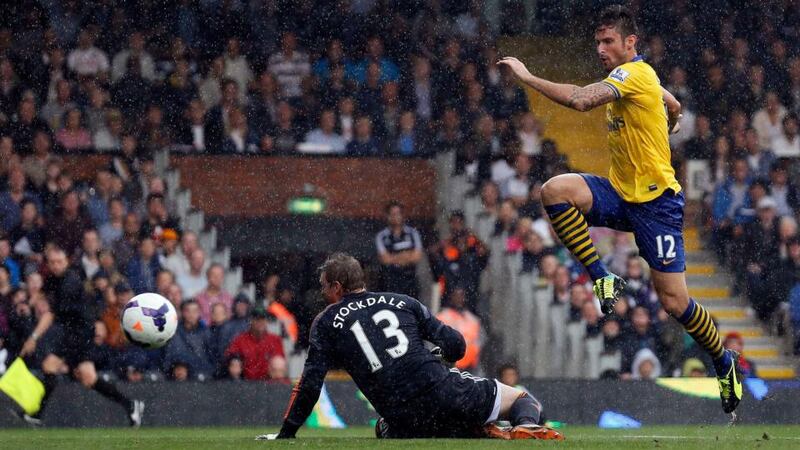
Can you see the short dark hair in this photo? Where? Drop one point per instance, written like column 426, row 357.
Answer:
column 618, row 17
column 344, row 269
column 507, row 366
column 391, row 204
column 154, row 196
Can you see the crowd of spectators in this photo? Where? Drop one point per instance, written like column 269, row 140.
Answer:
column 368, row 78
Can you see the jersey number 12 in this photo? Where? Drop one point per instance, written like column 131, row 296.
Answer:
column 392, row 329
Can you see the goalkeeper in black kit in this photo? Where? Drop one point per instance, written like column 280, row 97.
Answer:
column 378, row 338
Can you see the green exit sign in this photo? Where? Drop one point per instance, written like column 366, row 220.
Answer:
column 306, row 205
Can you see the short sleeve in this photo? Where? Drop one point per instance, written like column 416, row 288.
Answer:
column 622, row 81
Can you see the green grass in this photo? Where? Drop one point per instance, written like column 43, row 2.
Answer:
column 678, row 437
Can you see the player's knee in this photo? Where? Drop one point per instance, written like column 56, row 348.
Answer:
column 673, row 302
column 51, row 364
column 568, row 188
column 87, row 375
column 552, row 191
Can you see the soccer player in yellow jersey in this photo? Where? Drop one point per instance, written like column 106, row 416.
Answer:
column 641, row 193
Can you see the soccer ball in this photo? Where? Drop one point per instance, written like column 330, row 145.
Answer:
column 149, row 320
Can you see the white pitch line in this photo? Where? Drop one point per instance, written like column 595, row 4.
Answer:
column 771, row 438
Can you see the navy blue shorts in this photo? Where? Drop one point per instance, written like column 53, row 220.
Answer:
column 457, row 407
column 657, row 225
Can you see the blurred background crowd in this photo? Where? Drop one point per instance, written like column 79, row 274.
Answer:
column 378, row 79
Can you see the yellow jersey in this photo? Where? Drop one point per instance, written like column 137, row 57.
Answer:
column 637, row 134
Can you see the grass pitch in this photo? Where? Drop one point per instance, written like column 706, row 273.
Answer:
column 677, row 437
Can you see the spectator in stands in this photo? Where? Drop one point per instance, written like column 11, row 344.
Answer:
column 646, row 365
column 179, row 371
column 89, row 256
column 24, row 124
column 73, row 136
column 236, row 66
column 517, row 186
column 641, row 336
column 143, row 267
column 263, row 103
column 116, row 299
column 759, row 159
column 132, row 92
column 194, row 281
column 729, row 198
column 11, row 93
column 324, row 138
column 369, row 93
column 238, row 322
column 346, row 118
column 760, row 258
column 420, row 89
column 178, row 262
column 191, row 344
column 213, row 292
column 95, row 112
column 126, row 246
column 109, row 137
column 373, row 54
column 112, row 229
column 153, row 133
column 767, row 121
column 234, row 368
column 136, row 49
column 175, row 296
column 785, row 194
column 591, row 317
column 54, row 111
column 714, row 100
column 279, row 371
column 701, row 145
column 399, row 250
column 158, row 218
column 12, row 198
column 284, row 310
column 177, row 92
column 67, row 227
column 694, row 368
column 27, row 239
column 639, row 287
column 219, row 316
column 529, row 134
column 285, row 135
column 794, row 87
column 239, row 138
column 508, row 99
column 289, row 66
column 256, row 347
column 363, row 143
column 164, row 279
column 97, row 201
column 459, row 260
column 88, row 60
column 210, row 88
column 196, row 130
column 735, row 342
column 456, row 315
column 7, row 260
column 409, row 141
column 334, row 56
column 787, row 144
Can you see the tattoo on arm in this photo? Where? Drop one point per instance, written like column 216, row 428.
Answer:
column 591, row 96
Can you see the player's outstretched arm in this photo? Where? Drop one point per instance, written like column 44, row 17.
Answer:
column 451, row 342
column 673, row 111
column 306, row 393
column 569, row 95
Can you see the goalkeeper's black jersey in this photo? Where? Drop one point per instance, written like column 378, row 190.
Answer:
column 377, row 337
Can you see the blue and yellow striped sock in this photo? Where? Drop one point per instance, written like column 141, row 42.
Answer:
column 572, row 229
column 697, row 322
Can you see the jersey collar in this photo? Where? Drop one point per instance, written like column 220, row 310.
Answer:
column 637, row 58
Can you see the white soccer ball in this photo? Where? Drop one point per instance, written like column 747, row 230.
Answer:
column 149, row 320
